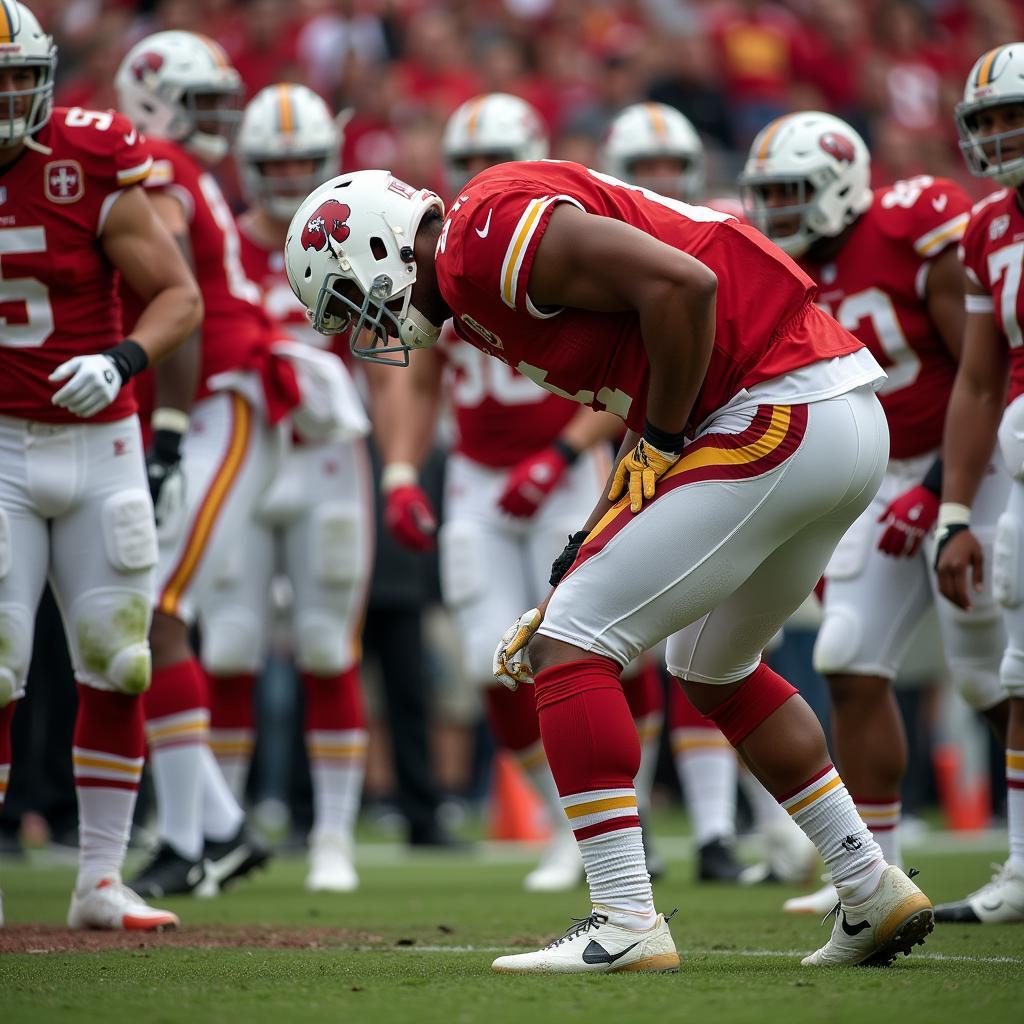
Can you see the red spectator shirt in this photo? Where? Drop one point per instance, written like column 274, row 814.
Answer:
column 875, row 288
column 766, row 323
column 993, row 255
column 58, row 290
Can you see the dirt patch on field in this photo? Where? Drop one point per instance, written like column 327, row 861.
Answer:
column 28, row 938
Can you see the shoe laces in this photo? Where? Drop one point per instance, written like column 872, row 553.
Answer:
column 580, row 926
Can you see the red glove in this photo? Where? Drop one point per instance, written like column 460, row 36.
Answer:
column 908, row 519
column 407, row 509
column 531, row 481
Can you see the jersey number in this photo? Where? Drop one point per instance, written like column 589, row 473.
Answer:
column 26, row 316
column 479, row 377
column 238, row 284
column 1007, row 261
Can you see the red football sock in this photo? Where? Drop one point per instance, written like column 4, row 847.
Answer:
column 232, row 726
column 176, row 689
column 512, row 716
column 643, row 691
column 334, row 703
column 6, row 715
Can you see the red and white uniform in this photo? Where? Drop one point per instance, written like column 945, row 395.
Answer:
column 875, row 287
column 784, row 415
column 993, row 255
column 232, row 447
column 74, row 500
column 317, row 511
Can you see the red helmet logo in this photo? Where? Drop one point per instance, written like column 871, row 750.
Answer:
column 146, row 64
column 838, row 146
column 327, row 221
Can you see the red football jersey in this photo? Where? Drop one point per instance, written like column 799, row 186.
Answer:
column 58, row 290
column 501, row 416
column 236, row 331
column 875, row 288
column 766, row 323
column 993, row 255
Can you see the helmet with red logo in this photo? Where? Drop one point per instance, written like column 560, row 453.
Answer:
column 825, row 167
column 997, row 79
column 497, row 126
column 24, row 111
column 648, row 131
column 349, row 259
column 181, row 86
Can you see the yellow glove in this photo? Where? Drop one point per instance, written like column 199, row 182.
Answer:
column 644, row 466
column 511, row 658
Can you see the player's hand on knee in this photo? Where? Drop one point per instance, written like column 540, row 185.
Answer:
column 960, row 564
column 93, row 382
column 531, row 480
column 638, row 473
column 908, row 520
column 511, row 656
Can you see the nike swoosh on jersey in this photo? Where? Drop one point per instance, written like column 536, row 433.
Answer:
column 130, row 138
column 939, row 203
column 595, row 953
column 487, row 225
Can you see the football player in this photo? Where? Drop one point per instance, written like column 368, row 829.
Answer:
column 512, row 496
column 886, row 266
column 181, row 91
column 655, row 146
column 991, row 376
column 755, row 440
column 74, row 501
column 317, row 512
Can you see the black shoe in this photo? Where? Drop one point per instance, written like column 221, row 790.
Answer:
column 230, row 859
column 437, row 837
column 168, row 874
column 716, row 862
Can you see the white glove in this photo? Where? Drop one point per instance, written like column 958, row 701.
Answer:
column 94, row 384
column 511, row 657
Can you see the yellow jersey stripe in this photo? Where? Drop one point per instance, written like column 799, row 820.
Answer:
column 133, row 175
column 527, row 223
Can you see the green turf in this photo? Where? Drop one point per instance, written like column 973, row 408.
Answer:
column 393, row 969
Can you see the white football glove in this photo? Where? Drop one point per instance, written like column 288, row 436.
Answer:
column 511, row 658
column 94, row 384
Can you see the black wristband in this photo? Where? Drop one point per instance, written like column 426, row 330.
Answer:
column 563, row 563
column 933, row 478
column 166, row 446
column 663, row 440
column 129, row 357
column 944, row 537
column 566, row 450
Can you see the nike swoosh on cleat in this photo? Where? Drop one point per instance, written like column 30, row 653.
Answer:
column 219, row 870
column 854, row 929
column 991, row 907
column 595, row 953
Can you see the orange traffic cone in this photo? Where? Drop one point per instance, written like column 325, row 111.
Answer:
column 966, row 802
column 516, row 811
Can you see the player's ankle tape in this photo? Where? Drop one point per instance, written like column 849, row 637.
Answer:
column 763, row 692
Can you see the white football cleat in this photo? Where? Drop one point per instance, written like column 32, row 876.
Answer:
column 560, row 868
column 1000, row 901
column 593, row 946
column 112, row 906
column 819, row 902
column 893, row 919
column 330, row 865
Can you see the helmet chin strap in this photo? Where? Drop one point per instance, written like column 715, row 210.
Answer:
column 416, row 331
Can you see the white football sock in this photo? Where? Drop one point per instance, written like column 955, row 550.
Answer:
column 706, row 765
column 337, row 763
column 222, row 816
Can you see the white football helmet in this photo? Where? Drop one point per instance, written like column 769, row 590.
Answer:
column 647, row 130
column 162, row 84
column 997, row 78
column 828, row 167
column 23, row 43
column 497, row 126
column 360, row 228
column 285, row 122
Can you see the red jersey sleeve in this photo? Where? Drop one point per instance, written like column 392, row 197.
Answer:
column 171, row 175
column 931, row 214
column 973, row 247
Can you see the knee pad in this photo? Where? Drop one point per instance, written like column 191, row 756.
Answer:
column 232, row 643
column 1011, row 672
column 322, row 647
column 838, row 643
column 129, row 531
column 15, row 651
column 109, row 642
column 980, row 686
column 336, row 556
column 1006, row 562
column 462, row 562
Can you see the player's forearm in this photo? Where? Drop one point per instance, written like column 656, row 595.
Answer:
column 972, row 422
column 168, row 320
column 176, row 378
column 404, row 415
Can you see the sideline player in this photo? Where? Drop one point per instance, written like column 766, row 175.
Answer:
column 653, row 145
column 525, row 472
column 179, row 89
column 754, row 443
column 887, row 268
column 315, row 521
column 74, row 502
column 987, row 403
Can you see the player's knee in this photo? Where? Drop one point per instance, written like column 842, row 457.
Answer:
column 852, row 691
column 323, row 647
column 838, row 642
column 336, row 544
column 232, row 643
column 15, row 651
column 1011, row 671
column 109, row 643
column 1006, row 562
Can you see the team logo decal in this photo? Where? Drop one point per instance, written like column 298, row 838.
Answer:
column 998, row 227
column 146, row 64
column 838, row 146
column 474, row 325
column 327, row 221
column 64, row 181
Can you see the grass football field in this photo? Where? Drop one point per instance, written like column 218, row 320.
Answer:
column 415, row 944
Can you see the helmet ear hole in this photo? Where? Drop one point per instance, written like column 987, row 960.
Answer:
column 378, row 248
